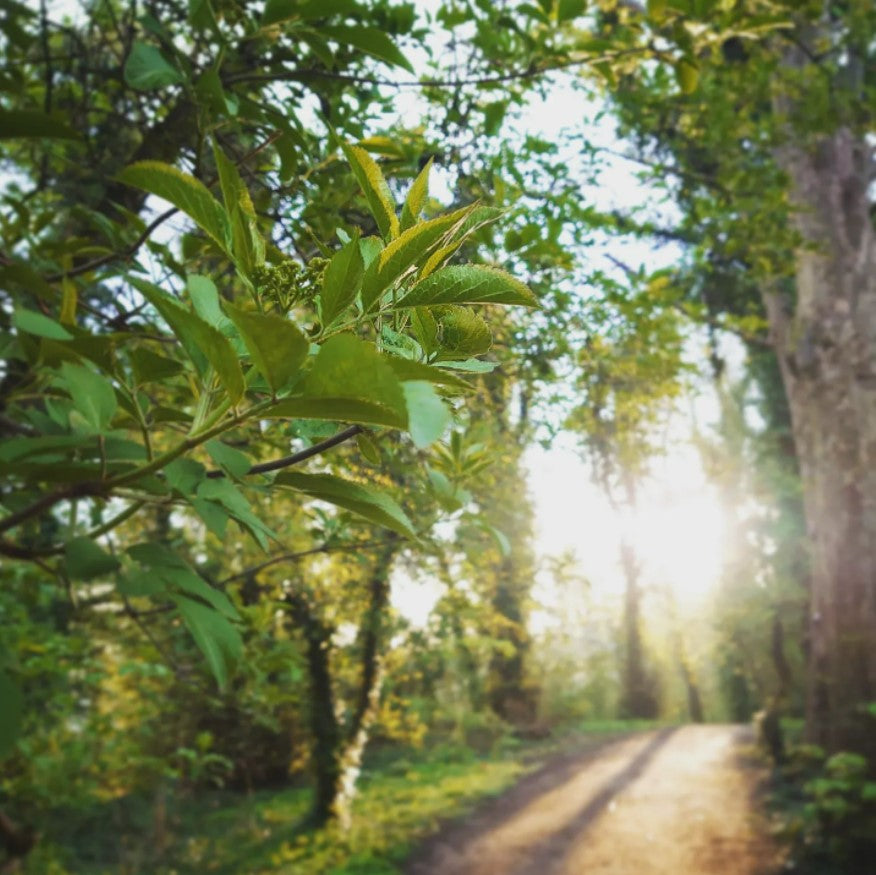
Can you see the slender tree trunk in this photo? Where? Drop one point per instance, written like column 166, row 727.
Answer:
column 637, row 697
column 325, row 729
column 688, row 675
column 337, row 748
column 372, row 637
column 827, row 349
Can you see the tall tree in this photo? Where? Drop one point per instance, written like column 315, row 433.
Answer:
column 625, row 382
column 778, row 176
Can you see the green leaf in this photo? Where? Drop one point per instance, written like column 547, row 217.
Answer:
column 185, row 475
column 371, row 40
column 657, row 9
column 85, row 560
column 375, row 189
column 277, row 347
column 462, row 333
column 351, row 382
column 469, row 284
column 370, row 247
column 15, row 449
column 210, row 91
column 193, row 585
column 445, row 491
column 405, row 251
column 425, row 327
column 176, row 574
column 688, row 75
column 33, row 322
column 150, row 367
column 225, row 493
column 494, row 115
column 186, row 193
column 16, row 273
column 199, row 339
column 407, row 370
column 213, row 514
column 155, row 555
column 205, row 300
column 500, row 538
column 11, row 709
column 417, row 197
column 368, row 448
column 471, row 366
column 142, row 583
column 216, row 637
column 93, row 396
column 282, row 10
column 15, row 123
column 201, row 15
column 428, row 415
column 438, row 257
column 230, row 460
column 374, row 506
column 147, row 69
column 247, row 244
column 478, row 219
column 569, row 9
column 341, row 281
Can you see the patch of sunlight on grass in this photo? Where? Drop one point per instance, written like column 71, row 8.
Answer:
column 391, row 812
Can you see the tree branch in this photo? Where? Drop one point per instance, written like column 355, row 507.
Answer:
column 530, row 72
column 301, row 456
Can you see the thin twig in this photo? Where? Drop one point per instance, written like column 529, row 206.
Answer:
column 301, row 554
column 131, row 250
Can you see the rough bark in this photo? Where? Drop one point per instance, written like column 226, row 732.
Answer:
column 827, row 349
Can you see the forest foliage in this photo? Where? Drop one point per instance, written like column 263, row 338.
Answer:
column 277, row 336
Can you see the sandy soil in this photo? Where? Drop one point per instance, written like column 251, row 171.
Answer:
column 675, row 802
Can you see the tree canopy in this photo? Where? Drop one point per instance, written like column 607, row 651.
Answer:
column 290, row 289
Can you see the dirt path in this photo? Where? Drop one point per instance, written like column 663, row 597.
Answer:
column 674, row 802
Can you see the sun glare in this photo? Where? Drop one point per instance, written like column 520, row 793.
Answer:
column 677, row 531
column 679, row 540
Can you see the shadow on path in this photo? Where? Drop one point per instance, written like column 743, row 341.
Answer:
column 543, row 857
column 428, row 859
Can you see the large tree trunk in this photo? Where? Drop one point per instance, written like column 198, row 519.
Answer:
column 827, row 350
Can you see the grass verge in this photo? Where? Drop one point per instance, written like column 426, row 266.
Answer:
column 403, row 798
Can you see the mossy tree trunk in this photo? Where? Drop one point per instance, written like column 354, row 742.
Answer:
column 337, row 744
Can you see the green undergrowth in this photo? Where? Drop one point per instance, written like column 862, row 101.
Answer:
column 404, row 796
column 824, row 807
